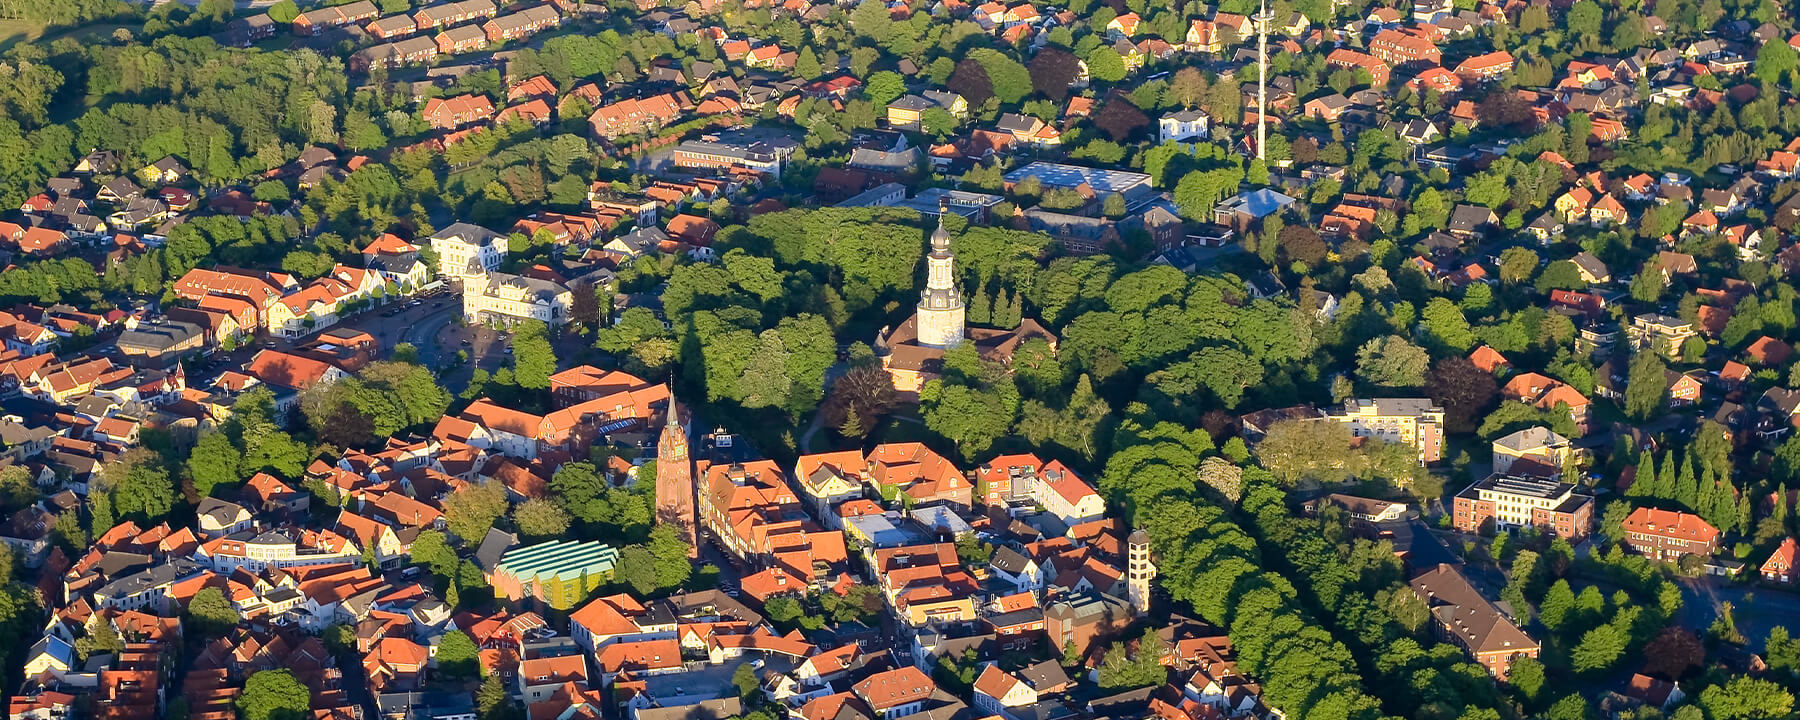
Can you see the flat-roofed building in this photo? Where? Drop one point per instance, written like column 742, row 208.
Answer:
column 1661, row 333
column 1522, row 501
column 714, row 155
column 1410, row 421
column 1094, row 182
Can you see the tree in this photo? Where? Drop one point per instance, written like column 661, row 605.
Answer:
column 534, row 361
column 970, row 80
column 101, row 638
column 1526, row 676
column 284, row 12
column 1746, row 698
column 1646, row 386
column 471, row 511
column 1675, row 651
column 1186, row 87
column 307, row 265
column 1105, row 65
column 457, row 656
column 1120, row 119
column 1124, row 668
column 213, row 614
column 1052, row 71
column 274, row 695
column 1584, row 18
column 885, row 87
column 1446, row 330
column 1392, row 362
column 1302, row 244
column 214, row 462
column 1571, row 707
column 1783, row 652
column 673, row 566
column 143, row 490
column 1561, row 275
column 1775, row 61
column 1649, row 285
column 870, row 19
column 540, row 518
column 17, row 487
column 1295, row 450
column 937, row 121
column 1011, row 81
column 1558, row 602
column 807, row 64
column 433, row 551
column 1224, row 477
column 1517, row 265
column 1465, row 391
column 866, row 392
column 1598, row 651
column 637, row 568
column 745, row 680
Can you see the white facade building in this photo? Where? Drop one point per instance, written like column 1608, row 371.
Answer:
column 1183, row 126
column 507, row 299
column 464, row 249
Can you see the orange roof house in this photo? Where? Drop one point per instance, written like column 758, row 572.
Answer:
column 1489, row 359
column 1668, row 535
column 455, row 112
column 1482, row 68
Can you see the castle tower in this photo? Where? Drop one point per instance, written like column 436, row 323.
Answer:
column 940, row 315
column 675, row 479
column 1138, row 571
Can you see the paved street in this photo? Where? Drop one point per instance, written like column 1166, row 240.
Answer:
column 1756, row 609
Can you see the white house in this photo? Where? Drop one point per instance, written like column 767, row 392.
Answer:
column 1183, row 126
column 1066, row 495
column 499, row 297
column 997, row 691
column 456, row 246
column 1023, row 572
column 219, row 518
column 50, row 655
column 272, row 549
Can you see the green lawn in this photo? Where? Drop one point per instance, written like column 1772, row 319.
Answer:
column 13, row 32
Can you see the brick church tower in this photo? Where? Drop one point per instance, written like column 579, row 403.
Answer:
column 675, row 479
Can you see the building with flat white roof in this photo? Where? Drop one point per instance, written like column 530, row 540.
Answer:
column 1058, row 175
column 1409, row 421
column 1521, row 501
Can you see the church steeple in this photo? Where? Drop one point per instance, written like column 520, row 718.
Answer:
column 941, row 304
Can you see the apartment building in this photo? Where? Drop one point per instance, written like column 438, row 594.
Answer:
column 1461, row 615
column 508, row 299
column 465, row 250
column 1410, row 421
column 703, row 154
column 1668, row 535
column 1537, row 449
column 1523, row 501
column 1660, row 333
